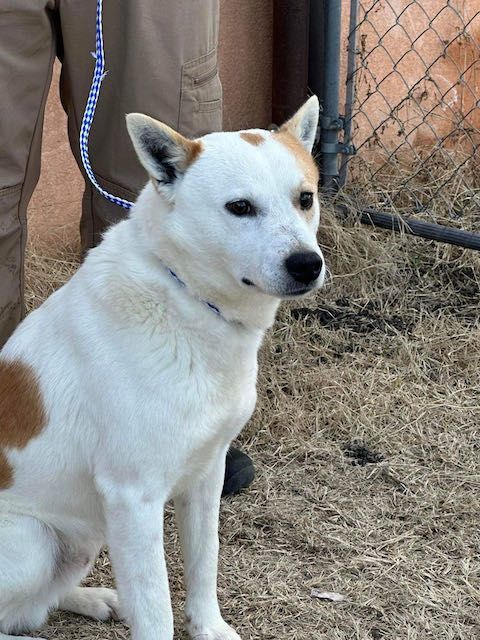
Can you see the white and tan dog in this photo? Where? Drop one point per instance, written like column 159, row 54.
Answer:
column 125, row 388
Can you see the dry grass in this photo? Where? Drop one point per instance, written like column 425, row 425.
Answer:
column 436, row 183
column 386, row 358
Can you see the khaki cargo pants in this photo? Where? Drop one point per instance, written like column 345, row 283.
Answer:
column 161, row 57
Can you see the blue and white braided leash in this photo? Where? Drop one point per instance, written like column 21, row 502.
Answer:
column 98, row 76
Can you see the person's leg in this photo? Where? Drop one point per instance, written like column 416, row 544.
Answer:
column 161, row 58
column 27, row 52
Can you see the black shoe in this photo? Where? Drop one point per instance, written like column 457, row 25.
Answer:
column 239, row 472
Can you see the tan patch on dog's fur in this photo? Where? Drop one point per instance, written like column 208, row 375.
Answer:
column 22, row 414
column 252, row 138
column 304, row 159
column 194, row 149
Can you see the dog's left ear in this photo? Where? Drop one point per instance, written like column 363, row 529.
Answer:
column 303, row 125
column 164, row 153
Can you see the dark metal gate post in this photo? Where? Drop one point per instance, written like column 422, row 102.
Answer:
column 350, row 92
column 330, row 121
column 290, row 57
column 316, row 50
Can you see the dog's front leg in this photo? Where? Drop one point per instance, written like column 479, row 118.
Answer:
column 135, row 539
column 197, row 512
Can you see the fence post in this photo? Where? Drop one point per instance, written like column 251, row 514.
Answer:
column 290, row 57
column 330, row 121
column 350, row 92
column 316, row 52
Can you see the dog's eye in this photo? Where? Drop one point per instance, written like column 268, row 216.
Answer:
column 241, row 208
column 306, row 199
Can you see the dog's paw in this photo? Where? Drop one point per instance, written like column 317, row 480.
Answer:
column 220, row 630
column 95, row 602
column 104, row 604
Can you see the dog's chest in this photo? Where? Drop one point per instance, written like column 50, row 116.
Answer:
column 186, row 411
column 219, row 390
column 210, row 425
column 200, row 392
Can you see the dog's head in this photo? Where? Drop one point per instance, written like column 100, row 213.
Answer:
column 241, row 207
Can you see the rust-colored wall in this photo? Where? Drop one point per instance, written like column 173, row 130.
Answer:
column 246, row 62
column 55, row 206
column 425, row 57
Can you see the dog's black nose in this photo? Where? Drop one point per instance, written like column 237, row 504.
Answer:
column 304, row 267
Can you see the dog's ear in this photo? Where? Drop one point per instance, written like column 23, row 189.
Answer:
column 164, row 153
column 303, row 125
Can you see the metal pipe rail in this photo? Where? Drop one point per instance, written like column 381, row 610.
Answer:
column 416, row 227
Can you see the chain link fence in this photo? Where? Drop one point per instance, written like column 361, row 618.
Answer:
column 413, row 109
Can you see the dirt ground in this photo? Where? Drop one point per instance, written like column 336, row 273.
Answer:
column 366, row 445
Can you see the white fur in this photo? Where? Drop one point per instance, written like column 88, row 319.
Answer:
column 145, row 387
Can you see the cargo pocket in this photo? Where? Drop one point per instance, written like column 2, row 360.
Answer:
column 201, row 97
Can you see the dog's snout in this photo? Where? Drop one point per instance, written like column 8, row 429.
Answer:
column 304, row 266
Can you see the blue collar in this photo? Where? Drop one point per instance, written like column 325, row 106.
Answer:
column 210, row 305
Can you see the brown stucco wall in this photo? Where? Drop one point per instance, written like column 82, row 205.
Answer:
column 246, row 62
column 55, row 206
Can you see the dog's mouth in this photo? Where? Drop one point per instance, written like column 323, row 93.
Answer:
column 298, row 292
column 293, row 293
